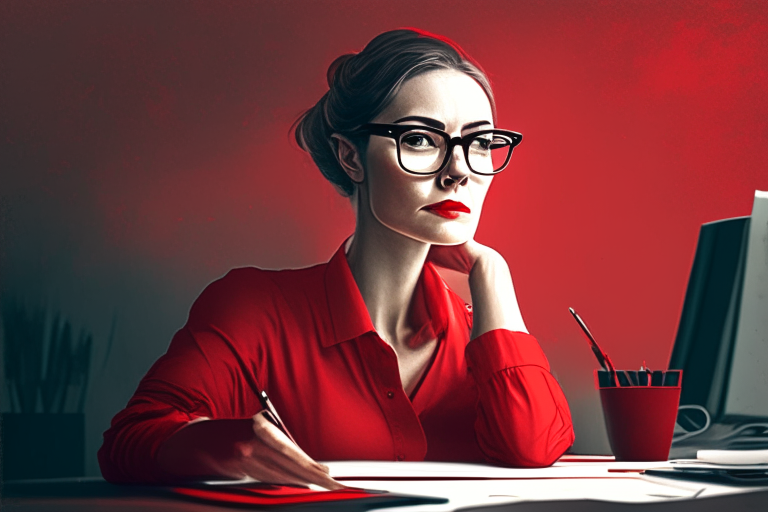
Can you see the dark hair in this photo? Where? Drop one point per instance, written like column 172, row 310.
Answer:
column 363, row 84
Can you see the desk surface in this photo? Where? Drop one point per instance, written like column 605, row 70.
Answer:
column 574, row 486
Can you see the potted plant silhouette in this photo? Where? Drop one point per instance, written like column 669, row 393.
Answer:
column 46, row 373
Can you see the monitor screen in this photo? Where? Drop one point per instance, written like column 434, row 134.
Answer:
column 705, row 337
column 747, row 393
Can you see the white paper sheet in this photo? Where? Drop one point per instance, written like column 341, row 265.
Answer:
column 372, row 470
column 466, row 485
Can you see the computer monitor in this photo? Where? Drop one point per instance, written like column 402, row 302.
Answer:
column 706, row 335
column 722, row 338
column 747, row 390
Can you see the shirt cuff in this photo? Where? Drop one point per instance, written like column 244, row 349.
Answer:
column 500, row 349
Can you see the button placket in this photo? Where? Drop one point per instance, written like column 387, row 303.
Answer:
column 399, row 445
column 396, row 407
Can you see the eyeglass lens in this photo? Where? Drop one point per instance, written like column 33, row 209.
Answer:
column 423, row 152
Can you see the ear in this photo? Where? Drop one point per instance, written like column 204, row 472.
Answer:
column 349, row 158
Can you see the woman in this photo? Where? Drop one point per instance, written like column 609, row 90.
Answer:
column 371, row 355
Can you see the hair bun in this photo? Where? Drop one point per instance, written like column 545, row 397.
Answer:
column 331, row 75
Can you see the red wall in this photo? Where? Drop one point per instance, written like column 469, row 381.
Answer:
column 155, row 135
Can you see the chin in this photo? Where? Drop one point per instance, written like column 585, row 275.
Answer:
column 453, row 235
column 450, row 240
column 435, row 231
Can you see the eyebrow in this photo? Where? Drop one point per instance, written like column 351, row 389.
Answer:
column 434, row 123
column 473, row 125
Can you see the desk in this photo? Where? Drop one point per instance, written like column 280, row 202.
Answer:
column 569, row 485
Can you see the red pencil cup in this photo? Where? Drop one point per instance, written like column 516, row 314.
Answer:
column 640, row 419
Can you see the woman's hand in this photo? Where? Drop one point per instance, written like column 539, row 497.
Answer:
column 493, row 295
column 460, row 258
column 241, row 448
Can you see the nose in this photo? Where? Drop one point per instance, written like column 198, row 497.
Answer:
column 456, row 171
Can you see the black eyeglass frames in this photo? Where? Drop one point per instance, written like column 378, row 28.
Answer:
column 425, row 150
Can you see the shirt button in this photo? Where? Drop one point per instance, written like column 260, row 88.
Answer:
column 400, row 456
column 390, row 394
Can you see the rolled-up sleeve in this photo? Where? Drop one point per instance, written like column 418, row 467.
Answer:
column 176, row 391
column 207, row 372
column 523, row 417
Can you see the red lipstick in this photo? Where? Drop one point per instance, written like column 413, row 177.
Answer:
column 448, row 209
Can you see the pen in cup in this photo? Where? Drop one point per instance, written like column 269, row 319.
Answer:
column 601, row 356
column 644, row 370
column 271, row 415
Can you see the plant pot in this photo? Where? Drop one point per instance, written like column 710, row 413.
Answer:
column 42, row 445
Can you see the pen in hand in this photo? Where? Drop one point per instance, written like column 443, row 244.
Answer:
column 296, row 462
column 271, row 415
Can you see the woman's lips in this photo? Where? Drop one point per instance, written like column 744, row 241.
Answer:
column 448, row 209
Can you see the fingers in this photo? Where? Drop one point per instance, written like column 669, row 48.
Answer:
column 297, row 469
column 290, row 458
column 453, row 257
column 268, row 471
column 272, row 457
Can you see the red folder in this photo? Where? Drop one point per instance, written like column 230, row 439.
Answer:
column 261, row 494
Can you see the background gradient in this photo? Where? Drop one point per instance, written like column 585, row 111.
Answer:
column 145, row 150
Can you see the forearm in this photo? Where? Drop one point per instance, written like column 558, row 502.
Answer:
column 206, row 448
column 493, row 296
column 236, row 448
column 523, row 416
column 131, row 444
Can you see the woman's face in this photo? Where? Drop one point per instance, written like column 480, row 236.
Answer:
column 455, row 103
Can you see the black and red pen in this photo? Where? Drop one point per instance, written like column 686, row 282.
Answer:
column 271, row 414
column 601, row 356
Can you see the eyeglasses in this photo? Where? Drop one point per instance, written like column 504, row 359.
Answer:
column 424, row 150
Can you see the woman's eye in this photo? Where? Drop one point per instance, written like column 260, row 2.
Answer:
column 418, row 141
column 483, row 143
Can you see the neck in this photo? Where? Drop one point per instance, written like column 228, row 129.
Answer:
column 386, row 266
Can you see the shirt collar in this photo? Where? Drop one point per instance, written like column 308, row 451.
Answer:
column 349, row 315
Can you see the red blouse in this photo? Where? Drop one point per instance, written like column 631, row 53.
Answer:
column 305, row 336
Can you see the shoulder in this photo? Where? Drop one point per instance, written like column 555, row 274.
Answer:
column 247, row 293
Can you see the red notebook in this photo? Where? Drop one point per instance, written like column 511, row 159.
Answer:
column 270, row 495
